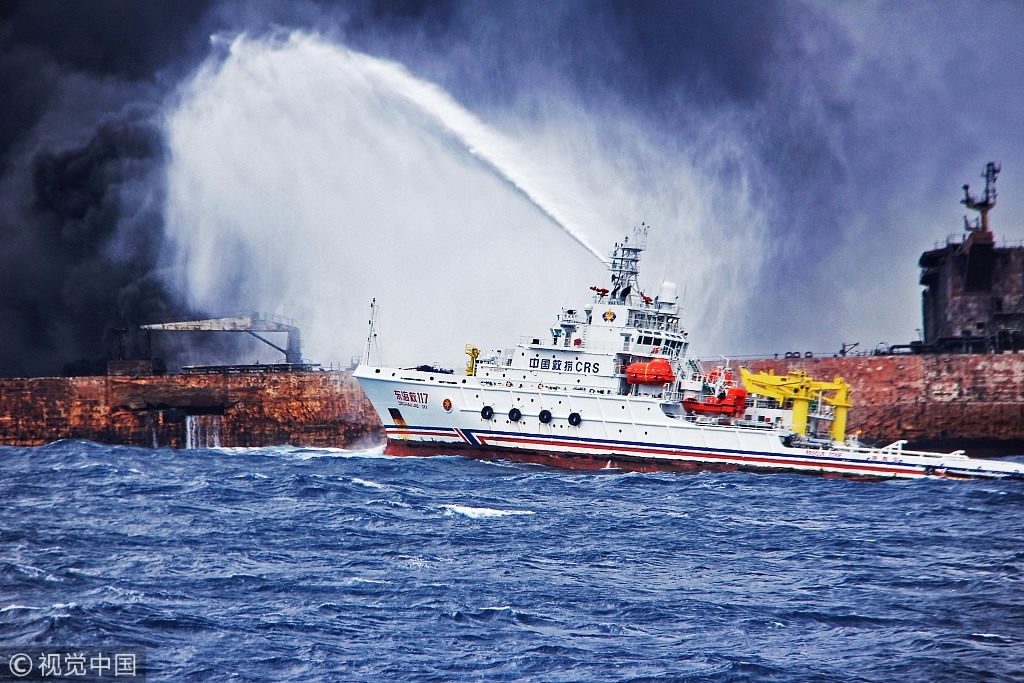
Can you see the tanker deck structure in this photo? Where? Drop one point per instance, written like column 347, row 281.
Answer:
column 973, row 300
column 264, row 404
column 962, row 384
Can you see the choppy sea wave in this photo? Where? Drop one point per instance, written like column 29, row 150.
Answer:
column 291, row 564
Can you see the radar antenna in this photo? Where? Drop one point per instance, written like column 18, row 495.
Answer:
column 985, row 205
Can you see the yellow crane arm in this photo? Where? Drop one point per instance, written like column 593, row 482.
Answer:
column 473, row 354
column 799, row 387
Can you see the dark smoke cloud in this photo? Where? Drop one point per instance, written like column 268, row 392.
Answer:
column 856, row 113
column 81, row 157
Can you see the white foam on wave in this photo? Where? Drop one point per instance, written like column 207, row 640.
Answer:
column 57, row 605
column 36, row 572
column 508, row 464
column 90, row 465
column 391, row 503
column 305, row 453
column 11, row 608
column 128, row 593
column 251, row 475
column 369, row 484
column 483, row 513
column 360, row 579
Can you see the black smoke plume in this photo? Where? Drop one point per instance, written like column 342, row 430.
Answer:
column 81, row 157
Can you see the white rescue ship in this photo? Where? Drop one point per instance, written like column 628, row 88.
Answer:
column 612, row 386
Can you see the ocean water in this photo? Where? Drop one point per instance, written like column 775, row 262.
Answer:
column 285, row 564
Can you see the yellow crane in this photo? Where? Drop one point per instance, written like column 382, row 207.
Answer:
column 802, row 389
column 473, row 354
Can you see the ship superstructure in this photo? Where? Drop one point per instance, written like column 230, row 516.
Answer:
column 590, row 349
column 613, row 385
column 973, row 300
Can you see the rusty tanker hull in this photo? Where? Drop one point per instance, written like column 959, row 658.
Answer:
column 935, row 401
column 316, row 409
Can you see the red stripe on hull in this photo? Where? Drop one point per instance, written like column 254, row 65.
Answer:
column 594, row 461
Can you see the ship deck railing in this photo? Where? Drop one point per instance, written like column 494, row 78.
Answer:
column 896, row 449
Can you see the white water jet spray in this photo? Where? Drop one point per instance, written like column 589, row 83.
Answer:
column 485, row 143
column 302, row 183
column 305, row 179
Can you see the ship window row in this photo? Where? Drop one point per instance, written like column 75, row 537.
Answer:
column 666, row 345
column 644, row 319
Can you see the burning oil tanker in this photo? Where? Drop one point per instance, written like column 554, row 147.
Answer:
column 960, row 386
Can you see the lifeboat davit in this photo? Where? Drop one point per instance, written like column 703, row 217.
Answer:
column 657, row 371
column 732, row 402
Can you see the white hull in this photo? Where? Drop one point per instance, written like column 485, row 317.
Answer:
column 431, row 413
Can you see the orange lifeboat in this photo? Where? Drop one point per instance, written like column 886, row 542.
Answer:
column 657, row 371
column 732, row 402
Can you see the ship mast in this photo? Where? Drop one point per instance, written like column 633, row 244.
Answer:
column 372, row 343
column 625, row 265
column 985, row 205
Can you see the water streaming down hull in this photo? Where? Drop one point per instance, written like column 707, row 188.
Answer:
column 202, row 431
column 596, row 394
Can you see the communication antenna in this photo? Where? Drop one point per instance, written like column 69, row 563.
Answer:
column 371, row 338
column 985, row 205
